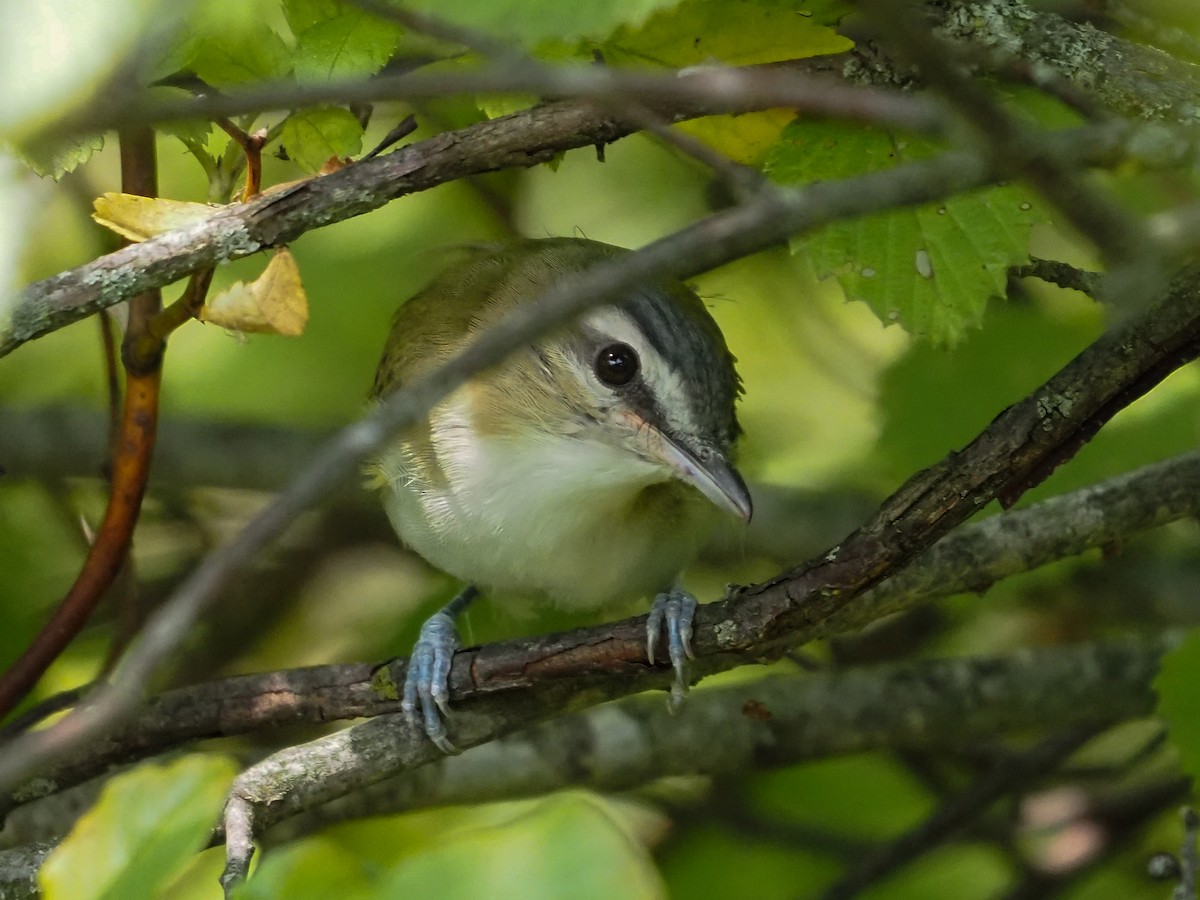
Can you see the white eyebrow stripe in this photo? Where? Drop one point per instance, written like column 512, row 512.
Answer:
column 664, row 381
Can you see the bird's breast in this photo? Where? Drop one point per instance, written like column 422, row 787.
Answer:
column 576, row 520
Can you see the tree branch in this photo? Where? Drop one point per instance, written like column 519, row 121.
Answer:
column 778, row 721
column 519, row 140
column 1020, row 448
column 970, row 559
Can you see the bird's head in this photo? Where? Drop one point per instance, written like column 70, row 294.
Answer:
column 649, row 377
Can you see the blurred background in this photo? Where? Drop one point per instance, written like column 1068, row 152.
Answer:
column 839, row 410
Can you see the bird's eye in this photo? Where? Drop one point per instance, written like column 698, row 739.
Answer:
column 616, row 365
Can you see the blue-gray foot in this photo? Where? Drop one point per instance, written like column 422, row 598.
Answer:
column 427, row 680
column 676, row 609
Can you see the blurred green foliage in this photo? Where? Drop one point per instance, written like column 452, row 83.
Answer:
column 837, row 395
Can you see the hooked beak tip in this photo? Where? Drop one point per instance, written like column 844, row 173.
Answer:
column 709, row 472
column 745, row 511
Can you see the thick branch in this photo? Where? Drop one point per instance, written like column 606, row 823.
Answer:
column 522, row 139
column 780, row 721
column 969, row 560
column 1018, row 449
column 793, row 720
column 518, row 140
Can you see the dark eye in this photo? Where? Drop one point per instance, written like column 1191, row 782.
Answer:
column 616, row 365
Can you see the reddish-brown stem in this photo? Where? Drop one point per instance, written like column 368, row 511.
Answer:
column 132, row 451
column 251, row 145
column 107, row 553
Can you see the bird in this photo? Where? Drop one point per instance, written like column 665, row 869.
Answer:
column 586, row 469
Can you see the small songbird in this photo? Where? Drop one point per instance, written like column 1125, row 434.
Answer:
column 587, row 468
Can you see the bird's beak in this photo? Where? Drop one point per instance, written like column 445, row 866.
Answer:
column 712, row 475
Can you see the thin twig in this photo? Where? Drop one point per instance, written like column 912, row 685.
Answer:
column 252, row 145
column 1065, row 275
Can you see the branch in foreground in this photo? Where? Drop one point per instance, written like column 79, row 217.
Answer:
column 769, row 723
column 970, row 559
column 848, row 711
column 519, row 140
column 779, row 721
column 759, row 222
column 1019, row 449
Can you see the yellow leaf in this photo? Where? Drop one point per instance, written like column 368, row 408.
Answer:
column 274, row 303
column 138, row 218
column 742, row 138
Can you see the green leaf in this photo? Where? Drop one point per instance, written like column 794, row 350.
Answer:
column 567, row 846
column 700, row 32
column 344, row 46
column 143, row 829
column 930, row 268
column 704, row 32
column 312, row 136
column 238, row 56
column 1178, row 689
column 56, row 158
column 302, row 14
column 316, row 867
column 532, row 21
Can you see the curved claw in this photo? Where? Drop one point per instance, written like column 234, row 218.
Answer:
column 677, row 609
column 427, row 681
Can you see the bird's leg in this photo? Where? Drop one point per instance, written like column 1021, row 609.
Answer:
column 676, row 608
column 427, row 681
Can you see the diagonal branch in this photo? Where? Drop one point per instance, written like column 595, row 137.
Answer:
column 519, row 140
column 970, row 559
column 759, row 222
column 1021, row 447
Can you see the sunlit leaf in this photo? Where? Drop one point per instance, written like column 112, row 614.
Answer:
column 532, row 21
column 138, row 218
column 146, row 825
column 353, row 43
column 568, row 846
column 702, row 32
column 744, row 138
column 274, row 303
column 930, row 268
column 312, row 136
column 55, row 158
column 237, row 56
